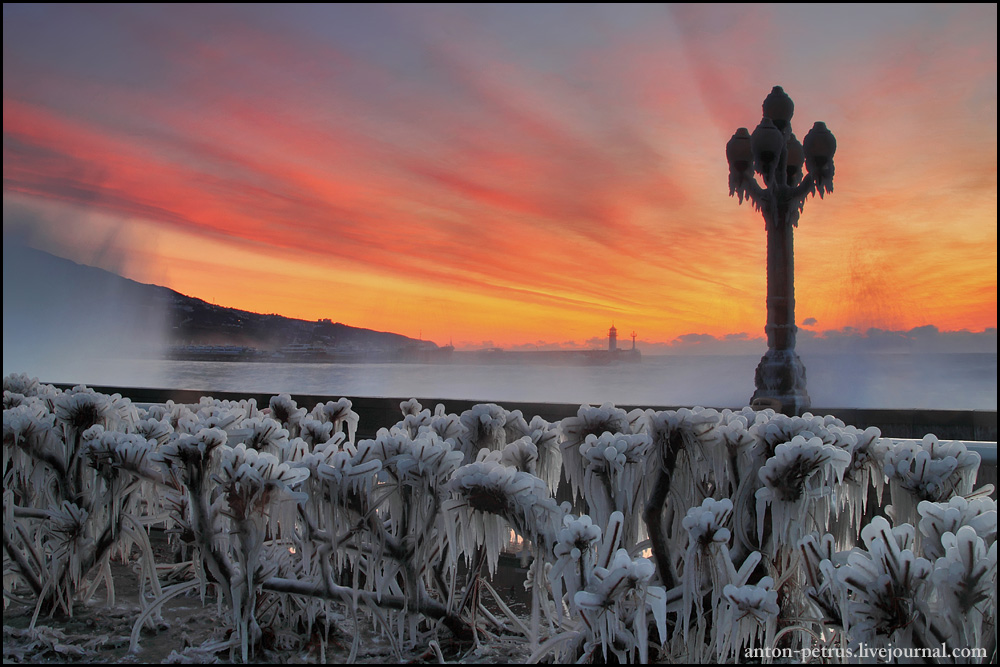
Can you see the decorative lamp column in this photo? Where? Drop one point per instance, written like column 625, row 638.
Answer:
column 773, row 152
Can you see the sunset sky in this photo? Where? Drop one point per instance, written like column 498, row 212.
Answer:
column 507, row 174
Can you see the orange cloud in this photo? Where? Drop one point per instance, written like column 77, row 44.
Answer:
column 442, row 175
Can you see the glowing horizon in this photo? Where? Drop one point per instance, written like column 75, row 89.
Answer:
column 501, row 174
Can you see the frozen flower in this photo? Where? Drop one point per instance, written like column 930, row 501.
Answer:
column 749, row 616
column 521, row 454
column 772, row 430
column 966, row 582
column 820, row 560
column 69, row 539
column 191, row 454
column 252, row 480
column 264, row 434
column 867, row 450
column 545, row 437
column 81, row 408
column 20, row 383
column 340, row 481
column 285, row 411
column 573, row 551
column 887, row 583
column 429, row 458
column 614, row 472
column 315, row 432
column 487, row 494
column 685, row 443
column 26, row 425
column 210, row 415
column 615, row 603
column 594, row 421
column 412, row 423
column 798, row 480
column 388, row 446
column 936, row 519
column 447, row 427
column 410, row 407
column 12, row 400
column 484, row 428
column 576, row 537
column 625, row 574
column 158, row 430
column 928, row 470
column 706, row 524
column 339, row 466
column 706, row 561
column 340, row 414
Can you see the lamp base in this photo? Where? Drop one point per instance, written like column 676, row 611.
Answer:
column 781, row 383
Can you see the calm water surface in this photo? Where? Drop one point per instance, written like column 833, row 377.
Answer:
column 945, row 381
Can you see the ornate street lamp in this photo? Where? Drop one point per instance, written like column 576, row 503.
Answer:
column 773, row 152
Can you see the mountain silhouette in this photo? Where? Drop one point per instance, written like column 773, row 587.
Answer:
column 52, row 304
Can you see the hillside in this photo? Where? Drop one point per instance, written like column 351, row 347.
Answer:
column 50, row 302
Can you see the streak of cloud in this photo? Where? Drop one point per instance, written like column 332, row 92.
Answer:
column 500, row 172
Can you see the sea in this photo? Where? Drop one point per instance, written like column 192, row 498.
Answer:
column 966, row 381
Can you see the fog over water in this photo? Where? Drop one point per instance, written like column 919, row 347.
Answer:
column 871, row 380
column 76, row 325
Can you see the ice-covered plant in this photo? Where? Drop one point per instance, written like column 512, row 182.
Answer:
column 263, row 434
column 414, row 480
column 490, row 499
column 965, row 579
column 675, row 476
column 545, row 436
column 315, row 432
column 574, row 552
column 285, row 515
column 706, row 560
column 863, row 474
column 485, row 428
column 748, row 618
column 521, row 454
column 20, row 383
column 927, row 470
column 822, row 587
column 589, row 420
column 69, row 489
column 338, row 490
column 887, row 586
column 34, row 456
column 614, row 479
column 260, row 500
column 341, row 414
column 415, row 419
column 284, row 410
column 798, row 489
column 618, row 600
column 937, row 519
column 210, row 414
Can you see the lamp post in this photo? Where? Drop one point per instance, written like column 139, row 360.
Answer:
column 773, row 152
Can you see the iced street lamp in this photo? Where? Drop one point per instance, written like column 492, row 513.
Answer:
column 773, row 152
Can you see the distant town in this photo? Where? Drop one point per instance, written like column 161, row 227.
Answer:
column 324, row 348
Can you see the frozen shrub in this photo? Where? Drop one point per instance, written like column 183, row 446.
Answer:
column 751, row 518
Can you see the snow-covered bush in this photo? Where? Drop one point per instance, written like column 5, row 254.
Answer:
column 694, row 534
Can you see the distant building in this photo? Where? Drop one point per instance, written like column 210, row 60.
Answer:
column 612, row 339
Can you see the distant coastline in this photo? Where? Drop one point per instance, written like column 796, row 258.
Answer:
column 408, row 354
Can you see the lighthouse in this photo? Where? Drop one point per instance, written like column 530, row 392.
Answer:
column 612, row 339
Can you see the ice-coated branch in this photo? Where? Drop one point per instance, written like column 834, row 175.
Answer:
column 331, row 591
